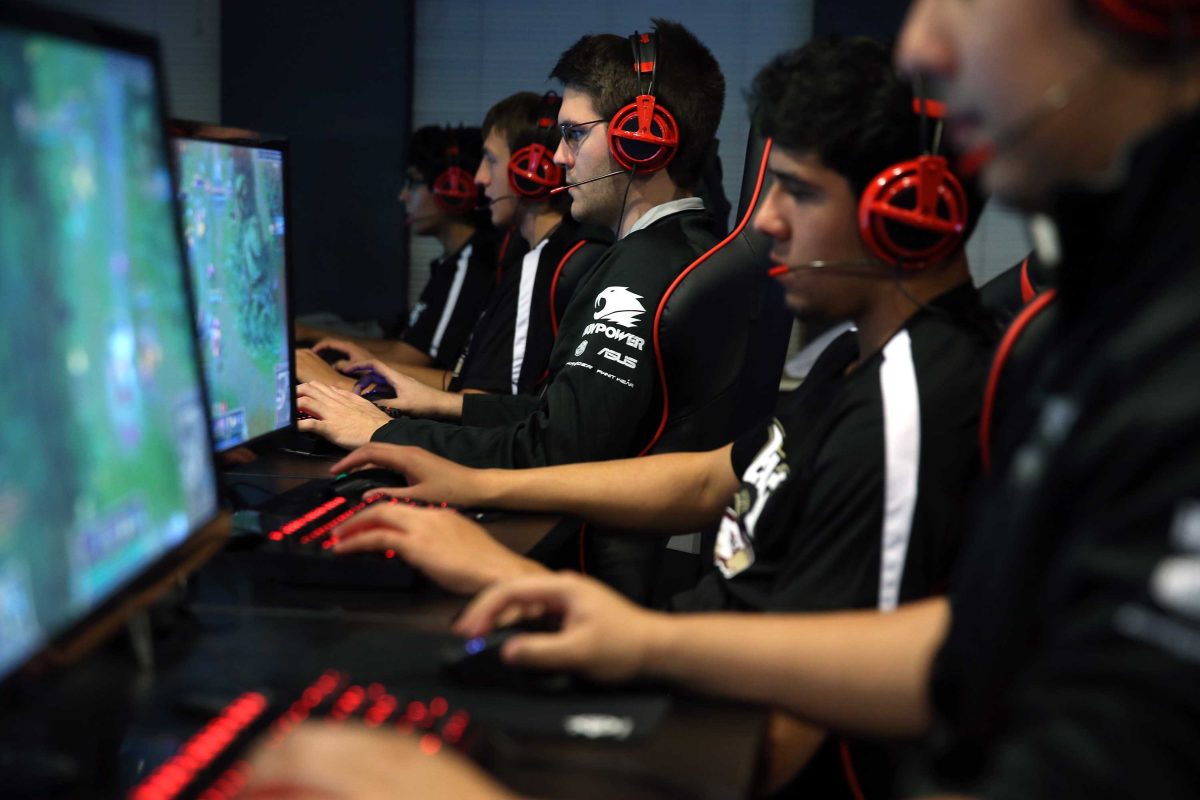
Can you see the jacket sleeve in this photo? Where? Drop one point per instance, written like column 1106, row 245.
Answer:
column 601, row 403
column 490, row 410
column 1109, row 708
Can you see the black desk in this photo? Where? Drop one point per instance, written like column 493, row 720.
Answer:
column 115, row 721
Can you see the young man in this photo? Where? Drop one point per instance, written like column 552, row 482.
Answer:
column 440, row 200
column 852, row 497
column 509, row 350
column 1068, row 668
column 604, row 398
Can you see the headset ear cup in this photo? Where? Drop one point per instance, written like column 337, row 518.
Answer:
column 532, row 172
column 455, row 192
column 914, row 213
column 1152, row 18
column 643, row 136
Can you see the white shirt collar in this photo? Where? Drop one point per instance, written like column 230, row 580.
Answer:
column 665, row 209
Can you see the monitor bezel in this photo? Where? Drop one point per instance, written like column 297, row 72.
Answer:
column 242, row 137
column 74, row 638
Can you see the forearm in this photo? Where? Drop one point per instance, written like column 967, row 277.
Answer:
column 670, row 493
column 401, row 353
column 861, row 671
column 432, row 377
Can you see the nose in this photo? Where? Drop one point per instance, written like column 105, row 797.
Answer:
column 562, row 156
column 482, row 174
column 768, row 220
column 924, row 46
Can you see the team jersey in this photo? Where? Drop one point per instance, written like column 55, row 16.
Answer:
column 1073, row 659
column 852, row 496
column 509, row 351
column 602, row 399
column 459, row 286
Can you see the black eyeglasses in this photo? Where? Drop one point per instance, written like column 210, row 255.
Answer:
column 573, row 133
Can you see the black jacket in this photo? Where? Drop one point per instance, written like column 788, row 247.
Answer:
column 496, row 361
column 603, row 396
column 1072, row 667
column 459, row 286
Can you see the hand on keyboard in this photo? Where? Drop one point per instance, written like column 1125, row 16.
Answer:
column 454, row 552
column 352, row 761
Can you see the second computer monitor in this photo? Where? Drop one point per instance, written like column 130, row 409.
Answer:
column 233, row 201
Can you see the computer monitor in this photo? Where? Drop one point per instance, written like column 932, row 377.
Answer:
column 106, row 465
column 233, row 194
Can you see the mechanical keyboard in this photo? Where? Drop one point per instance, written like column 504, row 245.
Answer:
column 210, row 765
column 299, row 549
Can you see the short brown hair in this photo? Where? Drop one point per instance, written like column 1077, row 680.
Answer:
column 516, row 117
column 689, row 83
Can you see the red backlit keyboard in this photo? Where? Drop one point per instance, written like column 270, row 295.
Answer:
column 315, row 528
column 210, row 764
column 297, row 540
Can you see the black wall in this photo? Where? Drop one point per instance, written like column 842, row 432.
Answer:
column 880, row 18
column 335, row 78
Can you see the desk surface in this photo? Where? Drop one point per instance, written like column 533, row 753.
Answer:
column 114, row 721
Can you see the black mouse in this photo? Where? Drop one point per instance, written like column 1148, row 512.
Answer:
column 477, row 661
column 384, row 392
column 331, row 355
column 353, row 484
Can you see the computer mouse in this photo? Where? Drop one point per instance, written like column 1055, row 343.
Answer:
column 353, row 484
column 331, row 355
column 384, row 392
column 478, row 662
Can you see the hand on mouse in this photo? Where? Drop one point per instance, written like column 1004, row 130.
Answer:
column 311, row 367
column 321, row 761
column 456, row 553
column 340, row 416
column 603, row 636
column 430, row 478
column 412, row 396
column 354, row 352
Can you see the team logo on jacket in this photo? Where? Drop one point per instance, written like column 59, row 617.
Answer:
column 579, row 350
column 1175, row 585
column 619, row 306
column 733, row 552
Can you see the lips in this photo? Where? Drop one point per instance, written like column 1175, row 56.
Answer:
column 965, row 130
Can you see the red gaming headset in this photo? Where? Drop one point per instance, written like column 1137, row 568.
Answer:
column 1157, row 19
column 454, row 189
column 643, row 136
column 914, row 213
column 532, row 172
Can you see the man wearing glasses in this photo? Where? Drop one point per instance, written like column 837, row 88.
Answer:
column 604, row 398
column 460, row 280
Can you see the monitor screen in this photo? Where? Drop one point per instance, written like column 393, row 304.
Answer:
column 232, row 202
column 105, row 457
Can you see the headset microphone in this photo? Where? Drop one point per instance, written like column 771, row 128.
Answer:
column 783, row 269
column 493, row 201
column 566, row 186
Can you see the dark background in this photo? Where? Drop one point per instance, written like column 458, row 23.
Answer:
column 336, row 77
column 880, row 18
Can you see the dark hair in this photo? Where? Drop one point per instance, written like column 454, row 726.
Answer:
column 429, row 149
column 842, row 100
column 688, row 83
column 516, row 117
